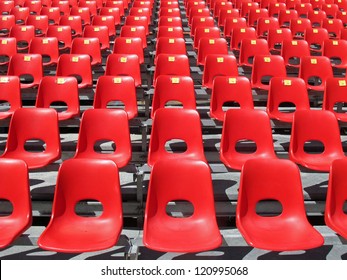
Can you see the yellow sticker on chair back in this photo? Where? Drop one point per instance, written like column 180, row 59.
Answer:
column 123, row 59
column 267, row 59
column 232, row 81
column 27, row 58
column 60, row 81
column 4, row 80
column 211, row 41
column 171, row 58
column 313, row 61
column 342, row 83
column 117, row 80
column 75, row 59
column 287, row 82
column 220, row 59
column 175, row 80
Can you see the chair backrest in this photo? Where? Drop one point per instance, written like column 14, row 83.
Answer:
column 333, row 26
column 275, row 8
column 10, row 92
column 239, row 34
column 59, row 89
column 314, row 125
column 205, row 32
column 134, row 32
column 76, row 65
column 316, row 17
column 104, row 125
column 198, row 11
column 15, row 189
column 200, row 21
column 40, row 22
column 266, row 67
column 227, row 13
column 211, row 46
column 107, row 21
column 250, row 48
column 175, row 123
column 100, row 32
column 171, row 180
column 246, row 125
column 116, row 89
column 230, row 89
column 264, row 24
column 89, row 46
column 285, row 17
column 83, row 12
column 6, row 23
column 62, row 33
column 137, row 21
column 335, row 51
column 232, row 23
column 288, row 230
column 275, row 38
column 298, row 27
column 168, row 64
column 28, row 67
column 167, row 45
column 170, row 31
column 47, row 47
column 334, row 215
column 293, row 50
column 8, row 48
column 315, row 70
column 33, row 124
column 303, row 9
column 173, row 88
column 124, row 65
column 286, row 90
column 75, row 22
column 112, row 11
column 256, row 13
column 128, row 45
column 23, row 34
column 170, row 21
column 21, row 14
column 218, row 65
column 335, row 92
column 315, row 38
column 79, row 180
column 53, row 14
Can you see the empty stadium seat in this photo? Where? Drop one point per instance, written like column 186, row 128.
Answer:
column 14, row 188
column 10, row 92
column 238, row 34
column 54, row 89
column 23, row 34
column 334, row 27
column 167, row 45
column 134, row 32
column 255, row 14
column 47, row 47
column 275, row 38
column 293, row 50
column 250, row 48
column 20, row 13
column 171, row 180
column 79, row 179
column 75, row 22
column 230, row 89
column 62, row 33
column 89, row 46
column 137, row 21
column 8, row 48
column 180, row 124
column 200, row 21
column 211, row 46
column 116, row 88
column 111, row 11
column 205, row 32
column 170, row 31
column 246, row 125
column 264, row 24
column 178, row 89
column 315, row 38
column 286, row 16
column 33, row 124
column 100, row 32
column 316, row 17
column 288, row 231
column 6, row 23
column 53, row 14
column 335, row 93
column 313, row 125
column 227, row 13
column 83, row 12
column 335, row 51
column 108, row 126
column 299, row 26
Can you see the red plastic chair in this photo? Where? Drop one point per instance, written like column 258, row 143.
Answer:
column 265, row 67
column 112, row 88
column 8, row 48
column 246, row 6
column 124, row 65
column 209, row 46
column 141, row 12
column 23, row 34
column 335, row 51
column 335, row 217
column 250, row 48
column 315, row 38
column 78, row 179
column 125, row 45
column 83, row 12
column 227, row 13
column 53, row 14
column 111, row 11
column 135, row 32
column 166, row 45
column 288, row 231
column 78, row 66
column 89, row 46
column 292, row 3
column 303, row 9
column 317, row 4
column 40, row 22
column 173, row 88
column 167, row 64
column 20, row 13
column 169, row 12
column 265, row 24
column 197, row 11
column 29, row 124
column 107, row 21
column 47, row 47
column 239, row 34
column 175, row 123
column 245, row 124
column 200, row 21
column 75, row 22
column 255, row 14
column 335, row 92
column 299, row 26
column 316, row 17
column 10, row 92
column 230, row 89
column 34, row 6
column 275, row 8
column 275, row 38
column 100, row 32
column 286, row 16
column 169, row 31
column 64, row 7
column 28, row 67
column 170, row 21
column 6, row 23
column 105, row 125
column 194, row 5
column 59, row 89
column 286, row 90
column 137, row 21
column 221, row 5
column 314, row 125
column 205, row 32
column 315, row 70
column 293, row 51
column 63, row 35
column 6, row 6
column 116, row 4
column 15, row 188
column 342, row 15
column 218, row 65
column 232, row 23
column 91, row 5
column 164, row 233
column 334, row 27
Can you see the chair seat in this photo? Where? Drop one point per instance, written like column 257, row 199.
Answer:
column 237, row 160
column 321, row 162
column 33, row 159
column 121, row 159
column 81, row 235
column 10, row 229
column 280, row 234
